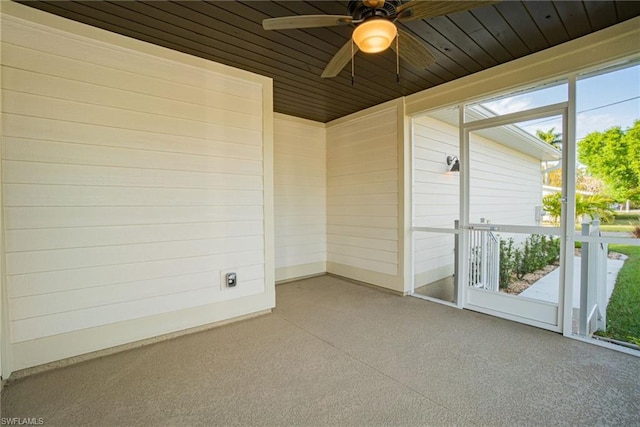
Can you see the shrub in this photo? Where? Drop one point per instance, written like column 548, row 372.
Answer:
column 536, row 253
column 552, row 249
column 507, row 262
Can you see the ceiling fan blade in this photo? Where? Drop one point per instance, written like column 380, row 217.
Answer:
column 305, row 21
column 339, row 60
column 418, row 9
column 413, row 51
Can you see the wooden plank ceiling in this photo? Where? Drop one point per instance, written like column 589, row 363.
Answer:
column 230, row 32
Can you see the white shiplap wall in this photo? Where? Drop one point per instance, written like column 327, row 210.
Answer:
column 131, row 182
column 505, row 187
column 300, row 194
column 363, row 198
column 436, row 198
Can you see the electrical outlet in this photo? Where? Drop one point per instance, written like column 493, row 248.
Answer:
column 228, row 279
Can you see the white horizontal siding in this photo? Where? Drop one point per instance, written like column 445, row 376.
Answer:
column 299, row 197
column 79, row 237
column 505, row 188
column 436, row 194
column 49, row 282
column 362, row 196
column 436, row 198
column 506, row 185
column 53, row 217
column 130, row 182
column 22, row 149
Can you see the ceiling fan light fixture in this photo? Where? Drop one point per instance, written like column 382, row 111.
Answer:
column 374, row 35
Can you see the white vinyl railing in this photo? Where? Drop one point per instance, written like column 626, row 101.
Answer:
column 593, row 282
column 484, row 260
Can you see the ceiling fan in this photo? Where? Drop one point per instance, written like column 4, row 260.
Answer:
column 375, row 28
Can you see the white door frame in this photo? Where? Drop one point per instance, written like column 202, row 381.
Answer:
column 550, row 316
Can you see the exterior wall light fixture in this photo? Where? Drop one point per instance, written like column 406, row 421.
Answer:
column 453, row 163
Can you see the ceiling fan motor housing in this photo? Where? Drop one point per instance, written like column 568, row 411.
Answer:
column 358, row 10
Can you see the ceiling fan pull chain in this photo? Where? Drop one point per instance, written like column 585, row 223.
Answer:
column 353, row 58
column 397, row 59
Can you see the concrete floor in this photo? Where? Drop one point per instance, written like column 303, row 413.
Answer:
column 335, row 353
column 442, row 289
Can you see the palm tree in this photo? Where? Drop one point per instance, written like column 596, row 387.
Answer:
column 551, row 137
column 554, row 139
column 593, row 206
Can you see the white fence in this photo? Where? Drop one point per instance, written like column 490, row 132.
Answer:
column 593, row 282
column 484, row 260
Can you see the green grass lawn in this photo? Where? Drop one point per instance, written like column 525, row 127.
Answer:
column 623, row 311
column 622, row 222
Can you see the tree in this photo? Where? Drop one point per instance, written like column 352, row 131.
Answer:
column 593, row 206
column 551, row 137
column 554, row 175
column 588, row 183
column 614, row 157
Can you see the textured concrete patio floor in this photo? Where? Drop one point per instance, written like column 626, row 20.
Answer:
column 335, row 353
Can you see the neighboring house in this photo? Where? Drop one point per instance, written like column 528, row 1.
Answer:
column 135, row 177
column 506, row 184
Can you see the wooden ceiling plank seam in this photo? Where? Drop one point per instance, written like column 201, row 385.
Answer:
column 513, row 30
column 462, row 41
column 389, row 71
column 380, row 87
column 299, row 95
column 290, row 99
column 574, row 18
column 320, row 116
column 474, row 29
column 453, row 59
column 548, row 21
column 586, row 14
column 627, row 9
column 601, row 14
column 564, row 25
column 494, row 22
column 317, row 110
column 321, row 46
column 521, row 22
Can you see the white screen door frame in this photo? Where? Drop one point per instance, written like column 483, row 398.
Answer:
column 536, row 313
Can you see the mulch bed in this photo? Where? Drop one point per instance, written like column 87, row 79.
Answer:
column 517, row 286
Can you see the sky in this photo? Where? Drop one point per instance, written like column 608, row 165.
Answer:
column 603, row 101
